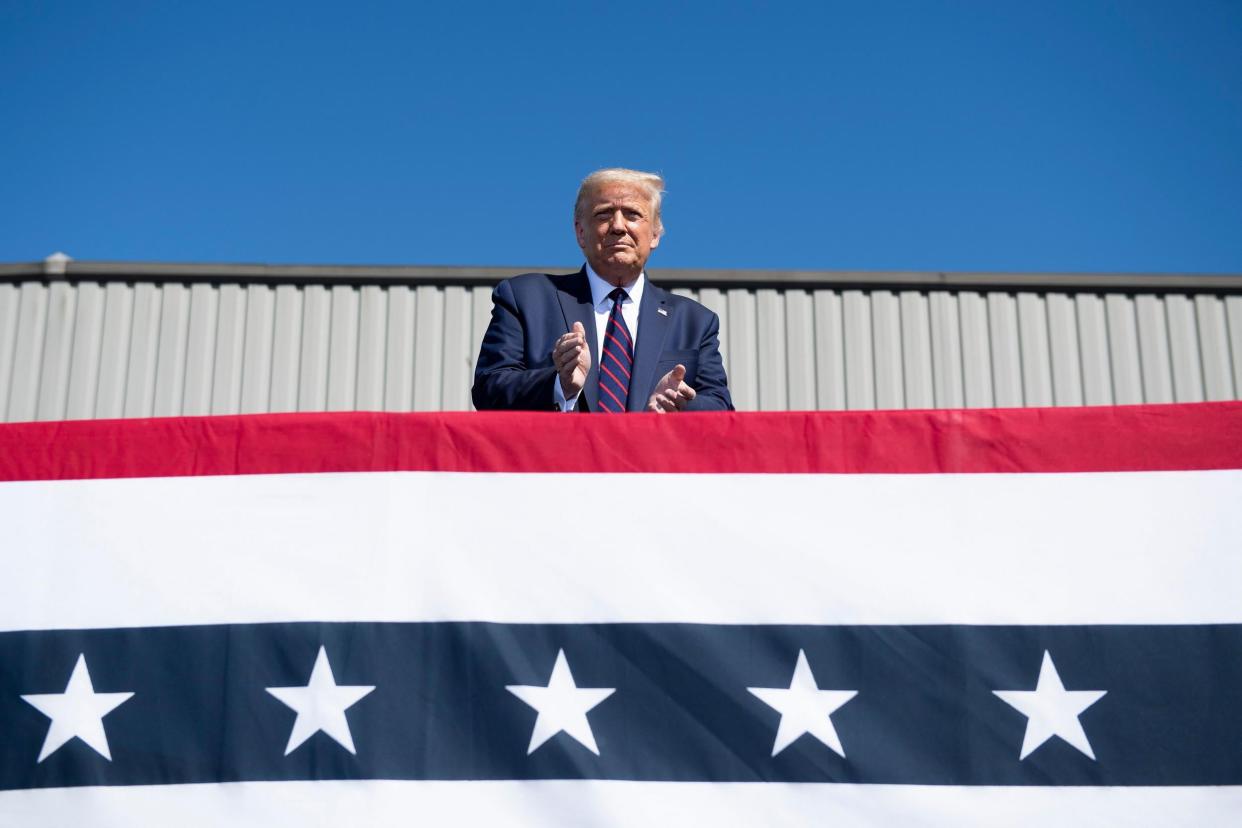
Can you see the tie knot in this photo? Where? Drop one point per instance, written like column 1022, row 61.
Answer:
column 617, row 295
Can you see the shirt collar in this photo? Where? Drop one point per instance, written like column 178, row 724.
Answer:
column 600, row 289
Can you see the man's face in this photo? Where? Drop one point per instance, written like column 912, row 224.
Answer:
column 617, row 231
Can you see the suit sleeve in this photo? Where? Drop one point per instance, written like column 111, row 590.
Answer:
column 502, row 378
column 711, row 386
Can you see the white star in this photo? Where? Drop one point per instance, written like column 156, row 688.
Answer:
column 804, row 708
column 562, row 705
column 1051, row 710
column 321, row 705
column 78, row 711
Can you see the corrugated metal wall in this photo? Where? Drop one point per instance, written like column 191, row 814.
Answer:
column 806, row 349
column 90, row 349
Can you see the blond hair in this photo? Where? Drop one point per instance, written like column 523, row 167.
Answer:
column 650, row 183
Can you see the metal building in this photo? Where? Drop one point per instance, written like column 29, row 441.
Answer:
column 82, row 339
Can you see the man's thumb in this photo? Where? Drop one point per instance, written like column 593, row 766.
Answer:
column 677, row 374
column 578, row 329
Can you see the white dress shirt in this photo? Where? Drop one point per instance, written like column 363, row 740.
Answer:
column 603, row 307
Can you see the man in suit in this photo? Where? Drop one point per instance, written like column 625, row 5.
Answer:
column 605, row 338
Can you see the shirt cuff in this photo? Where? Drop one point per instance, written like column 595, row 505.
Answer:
column 558, row 395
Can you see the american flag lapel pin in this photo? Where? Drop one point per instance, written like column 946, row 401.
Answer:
column 662, row 311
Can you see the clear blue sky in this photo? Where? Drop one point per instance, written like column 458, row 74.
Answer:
column 989, row 135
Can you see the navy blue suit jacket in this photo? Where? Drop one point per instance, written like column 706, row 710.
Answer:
column 530, row 312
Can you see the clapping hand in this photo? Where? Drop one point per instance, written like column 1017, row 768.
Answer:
column 572, row 359
column 671, row 393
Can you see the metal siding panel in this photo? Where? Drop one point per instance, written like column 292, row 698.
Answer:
column 343, row 349
column 886, row 341
column 144, row 341
column 829, row 351
column 1214, row 345
column 200, row 357
column 976, row 351
column 481, row 315
column 372, row 323
column 428, row 348
column 230, row 347
column 716, row 302
column 200, row 351
column 744, row 350
column 457, row 368
column 28, row 355
column 286, row 349
column 114, row 351
column 800, row 349
column 859, row 359
column 57, row 350
column 1184, row 348
column 256, row 388
column 1063, row 343
column 1097, row 376
column 1153, row 334
column 10, row 298
column 916, row 350
column 170, row 365
column 84, row 363
column 1033, row 347
column 1233, row 318
column 313, row 364
column 1123, row 348
column 770, row 351
column 946, row 343
column 1006, row 350
column 399, row 372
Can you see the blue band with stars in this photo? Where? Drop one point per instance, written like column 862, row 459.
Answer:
column 938, row 705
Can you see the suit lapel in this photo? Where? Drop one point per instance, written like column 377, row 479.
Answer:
column 653, row 318
column 576, row 305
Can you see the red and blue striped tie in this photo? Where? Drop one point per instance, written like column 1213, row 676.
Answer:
column 617, row 360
